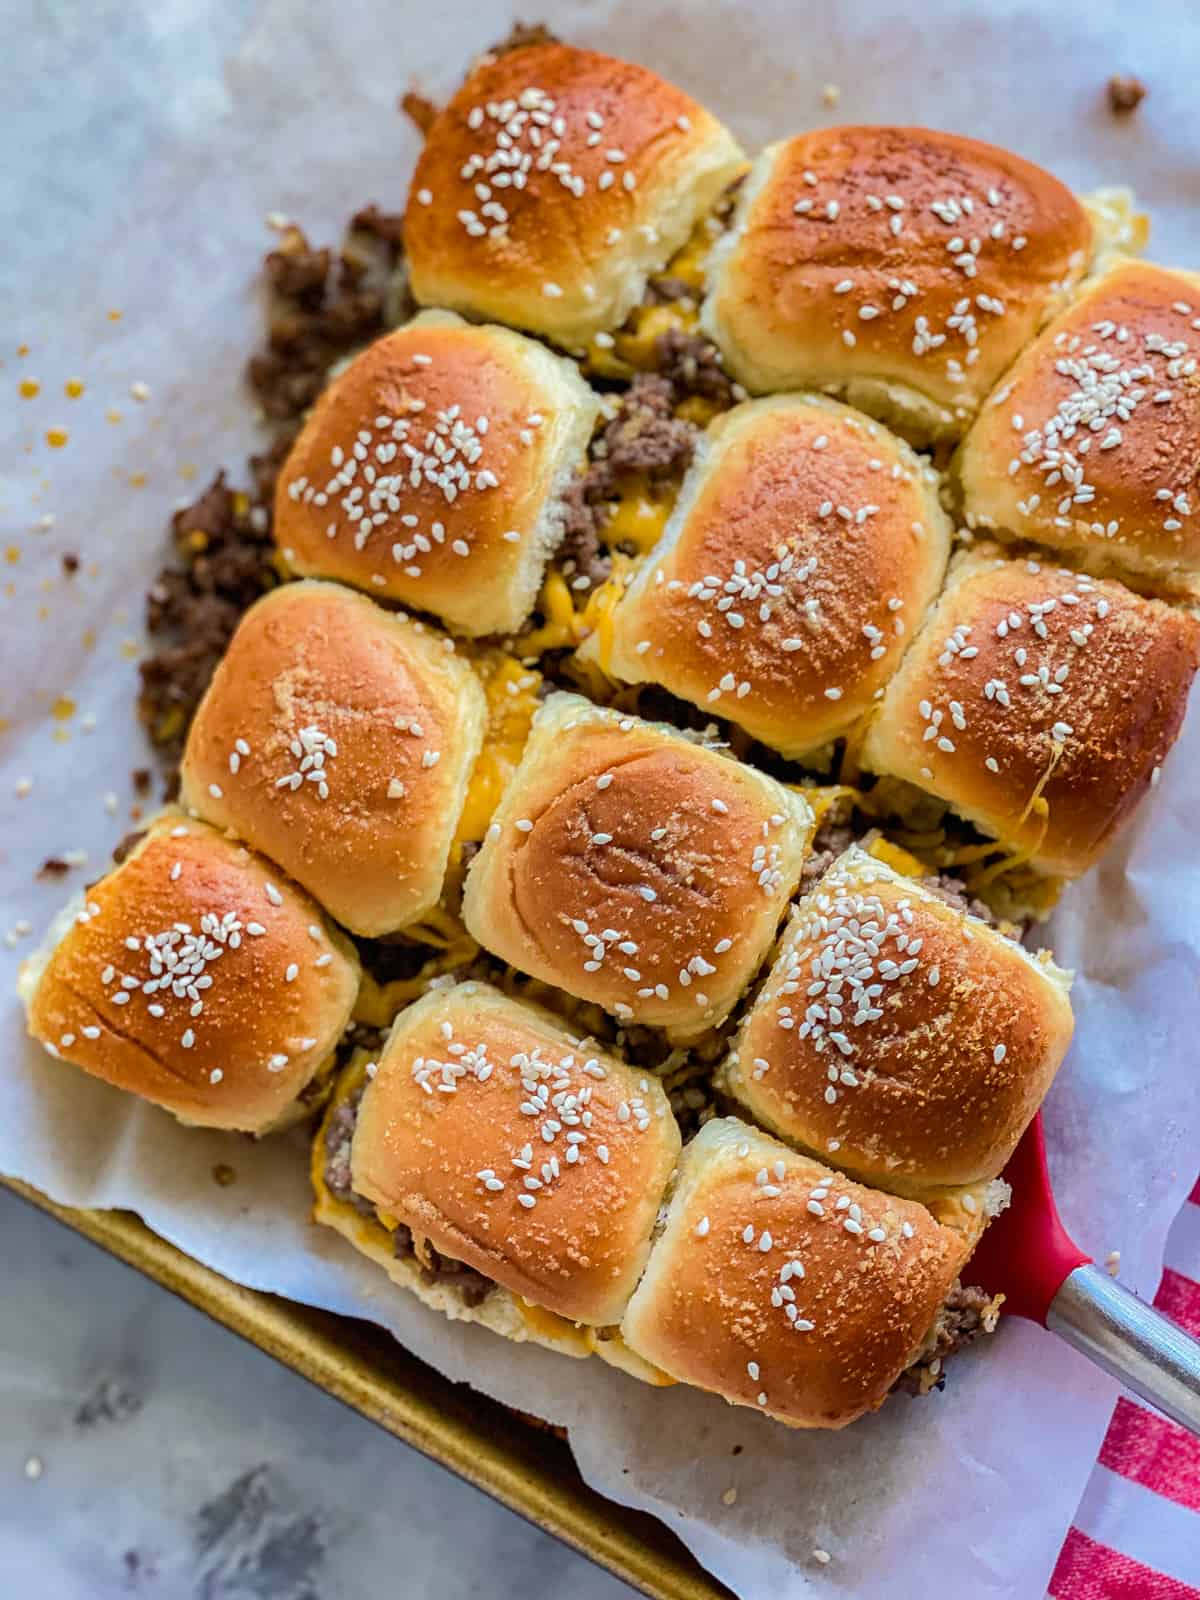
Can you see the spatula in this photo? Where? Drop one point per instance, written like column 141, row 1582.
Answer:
column 1047, row 1278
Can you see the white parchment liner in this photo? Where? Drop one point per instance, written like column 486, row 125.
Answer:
column 151, row 143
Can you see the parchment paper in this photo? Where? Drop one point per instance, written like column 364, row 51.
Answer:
column 147, row 143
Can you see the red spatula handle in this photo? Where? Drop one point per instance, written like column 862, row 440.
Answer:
column 1047, row 1278
column 1026, row 1252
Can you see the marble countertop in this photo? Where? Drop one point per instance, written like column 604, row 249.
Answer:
column 145, row 1451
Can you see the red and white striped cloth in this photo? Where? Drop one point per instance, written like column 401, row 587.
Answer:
column 1136, row 1535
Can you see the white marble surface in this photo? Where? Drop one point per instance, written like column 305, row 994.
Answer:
column 144, row 1451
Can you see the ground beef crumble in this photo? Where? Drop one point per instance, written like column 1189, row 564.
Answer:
column 390, row 959
column 1125, row 93
column 521, row 36
column 339, row 1132
column 968, row 1313
column 644, row 439
column 833, row 837
column 691, row 364
column 420, row 111
column 322, row 305
column 664, row 290
column 127, row 845
column 955, row 893
column 829, row 841
column 226, row 562
column 580, row 555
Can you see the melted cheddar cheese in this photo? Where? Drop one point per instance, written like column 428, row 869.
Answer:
column 822, row 797
column 606, row 1342
column 639, row 516
column 897, row 857
column 597, row 614
column 512, row 701
column 561, row 626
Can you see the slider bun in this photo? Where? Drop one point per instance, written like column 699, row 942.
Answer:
column 615, row 832
column 778, row 485
column 919, row 1100
column 498, row 424
column 500, row 1311
column 1091, row 443
column 1000, row 752
column 447, row 1104
column 264, row 1036
column 777, row 303
column 705, row 1311
column 567, row 253
column 316, row 669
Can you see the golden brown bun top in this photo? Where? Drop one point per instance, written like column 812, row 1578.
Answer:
column 635, row 868
column 808, row 543
column 434, row 444
column 1044, row 688
column 338, row 738
column 548, row 178
column 929, row 1081
column 782, row 1285
column 1092, row 443
column 912, row 227
column 235, row 987
column 526, row 1152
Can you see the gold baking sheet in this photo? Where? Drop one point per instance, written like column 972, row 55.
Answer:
column 526, row 1468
